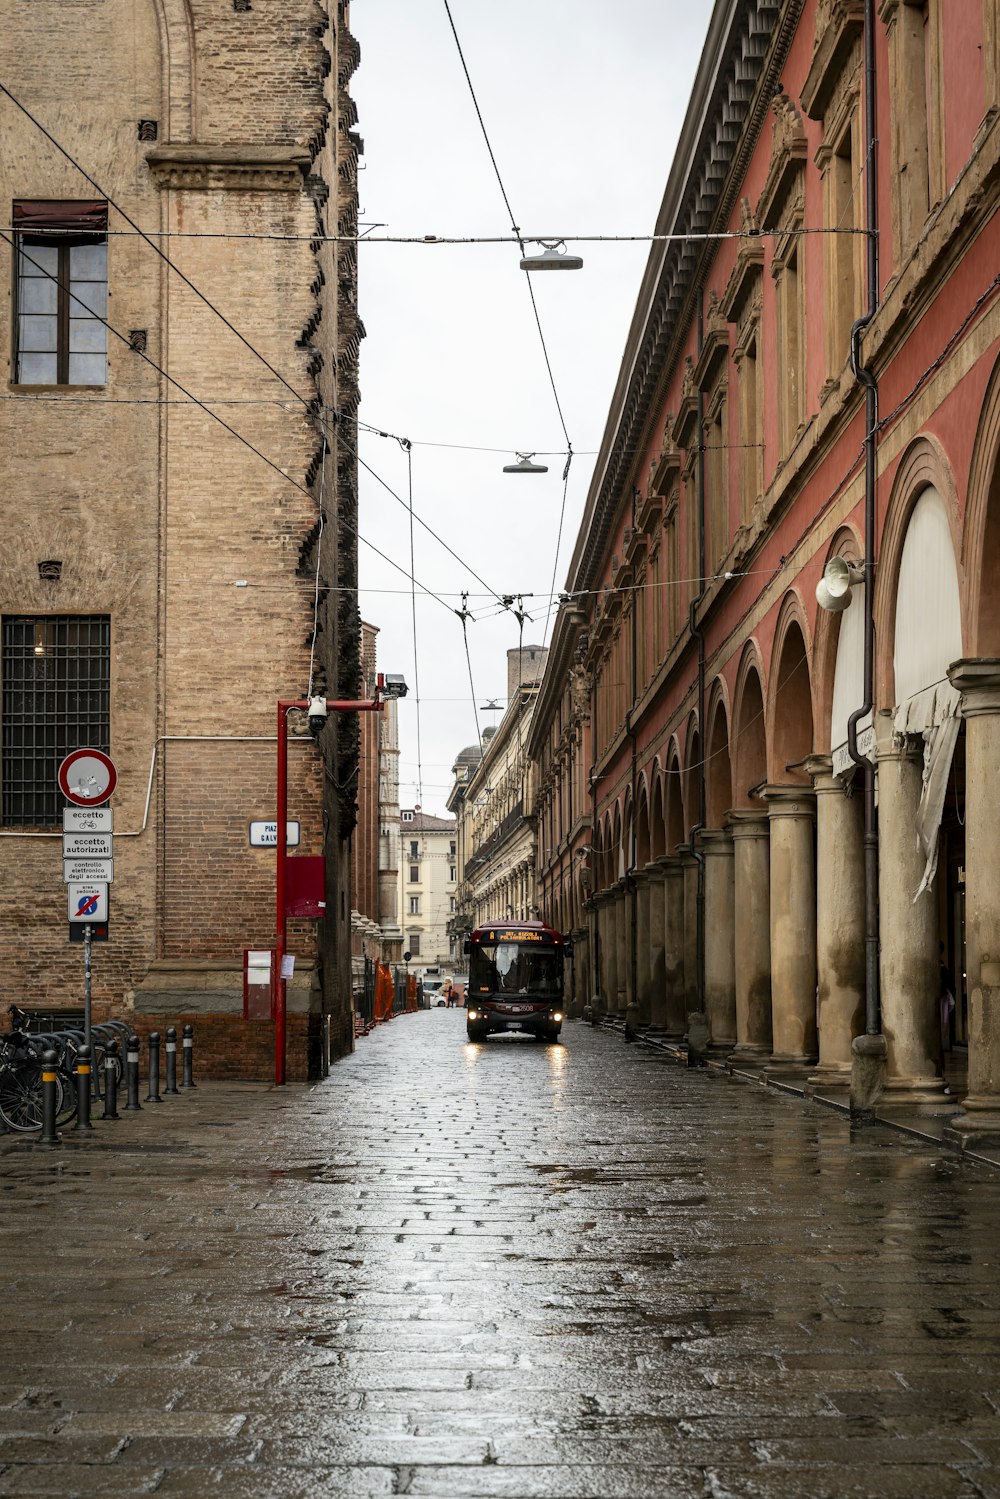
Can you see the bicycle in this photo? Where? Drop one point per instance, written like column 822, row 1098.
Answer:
column 21, row 1069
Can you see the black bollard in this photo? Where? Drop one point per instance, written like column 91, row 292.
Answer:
column 132, row 1074
column 187, row 1080
column 153, row 1096
column 111, row 1081
column 83, row 1089
column 49, row 1087
column 171, row 1061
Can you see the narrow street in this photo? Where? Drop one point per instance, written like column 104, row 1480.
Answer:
column 501, row 1270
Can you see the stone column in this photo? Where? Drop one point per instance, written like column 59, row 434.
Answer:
column 604, row 912
column 689, row 864
column 675, row 1006
column 793, row 925
column 720, row 972
column 657, row 966
column 644, row 965
column 840, row 921
column 619, row 978
column 978, row 680
column 752, row 921
column 910, row 962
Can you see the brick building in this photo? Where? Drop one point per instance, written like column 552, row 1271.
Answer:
column 164, row 580
column 819, row 384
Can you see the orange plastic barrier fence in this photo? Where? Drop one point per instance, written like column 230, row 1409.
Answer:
column 385, row 992
column 411, row 992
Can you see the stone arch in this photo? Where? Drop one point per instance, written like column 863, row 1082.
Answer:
column 178, row 79
column 691, row 782
column 789, row 707
column 657, row 819
column 831, row 631
column 604, row 855
column 923, row 467
column 718, row 767
column 748, row 742
column 673, row 796
column 618, row 863
column 643, row 833
column 981, row 533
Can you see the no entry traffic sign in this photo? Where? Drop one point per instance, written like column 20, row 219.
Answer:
column 88, row 901
column 87, row 777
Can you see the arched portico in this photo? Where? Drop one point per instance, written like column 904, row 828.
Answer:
column 752, row 864
column 921, row 637
column 790, row 807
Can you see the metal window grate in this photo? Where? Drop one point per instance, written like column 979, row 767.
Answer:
column 56, row 698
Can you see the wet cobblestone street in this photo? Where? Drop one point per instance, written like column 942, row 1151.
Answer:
column 501, row 1270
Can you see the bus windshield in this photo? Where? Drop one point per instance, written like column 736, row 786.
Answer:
column 513, row 968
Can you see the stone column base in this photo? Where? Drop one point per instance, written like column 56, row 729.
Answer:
column 924, row 1093
column 749, row 1054
column 829, row 1075
column 789, row 1062
column 977, row 1124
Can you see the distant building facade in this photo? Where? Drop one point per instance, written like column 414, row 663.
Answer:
column 164, row 582
column 492, row 799
column 428, row 881
column 375, row 931
column 701, row 809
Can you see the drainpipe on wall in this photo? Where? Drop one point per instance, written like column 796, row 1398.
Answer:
column 595, row 843
column 631, row 889
column 697, row 635
column 869, row 1051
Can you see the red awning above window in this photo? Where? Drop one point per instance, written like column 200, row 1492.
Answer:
column 38, row 215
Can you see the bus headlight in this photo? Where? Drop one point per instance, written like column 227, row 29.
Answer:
column 557, row 1015
column 473, row 1014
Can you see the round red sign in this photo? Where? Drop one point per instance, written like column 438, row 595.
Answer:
column 87, row 777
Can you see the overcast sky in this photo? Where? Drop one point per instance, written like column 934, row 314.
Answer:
column 583, row 101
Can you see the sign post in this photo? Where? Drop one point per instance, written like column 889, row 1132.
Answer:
column 87, row 778
column 285, row 706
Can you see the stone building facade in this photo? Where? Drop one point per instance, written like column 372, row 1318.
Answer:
column 697, row 792
column 428, row 881
column 375, row 931
column 492, row 800
column 178, row 537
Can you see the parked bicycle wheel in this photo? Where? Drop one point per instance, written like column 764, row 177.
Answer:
column 21, row 1094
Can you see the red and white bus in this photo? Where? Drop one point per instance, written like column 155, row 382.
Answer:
column 515, row 980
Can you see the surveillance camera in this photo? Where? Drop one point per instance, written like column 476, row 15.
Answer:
column 317, row 714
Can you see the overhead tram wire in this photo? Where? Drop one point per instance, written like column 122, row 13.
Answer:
column 531, row 293
column 141, row 354
column 408, row 446
column 465, row 615
column 781, row 231
column 306, row 401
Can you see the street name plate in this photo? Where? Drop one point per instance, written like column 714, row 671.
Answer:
column 88, row 819
column 88, row 871
column 265, row 835
column 87, row 845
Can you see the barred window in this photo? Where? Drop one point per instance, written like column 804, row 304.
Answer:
column 56, row 698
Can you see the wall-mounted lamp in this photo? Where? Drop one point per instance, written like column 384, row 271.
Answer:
column 833, row 591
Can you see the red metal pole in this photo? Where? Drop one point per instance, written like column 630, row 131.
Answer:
column 333, row 705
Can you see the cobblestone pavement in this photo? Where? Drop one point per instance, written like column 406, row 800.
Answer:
column 501, row 1270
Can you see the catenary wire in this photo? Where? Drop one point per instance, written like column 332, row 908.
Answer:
column 306, row 401
column 124, row 339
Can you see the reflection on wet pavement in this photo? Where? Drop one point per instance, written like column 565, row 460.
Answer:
column 498, row 1270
